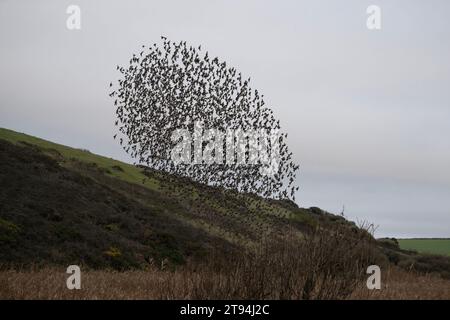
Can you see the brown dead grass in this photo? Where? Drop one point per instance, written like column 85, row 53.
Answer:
column 398, row 284
column 184, row 284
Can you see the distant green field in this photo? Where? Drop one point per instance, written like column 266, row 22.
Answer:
column 435, row 246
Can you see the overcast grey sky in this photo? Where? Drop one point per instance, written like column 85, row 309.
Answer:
column 367, row 111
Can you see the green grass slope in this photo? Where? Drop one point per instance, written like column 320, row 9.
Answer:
column 128, row 172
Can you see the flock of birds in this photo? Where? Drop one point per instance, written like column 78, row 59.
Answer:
column 173, row 86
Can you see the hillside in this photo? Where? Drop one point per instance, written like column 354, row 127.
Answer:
column 60, row 205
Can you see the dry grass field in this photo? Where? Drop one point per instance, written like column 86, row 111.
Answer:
column 398, row 284
column 184, row 284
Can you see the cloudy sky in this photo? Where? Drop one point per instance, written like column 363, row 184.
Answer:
column 367, row 111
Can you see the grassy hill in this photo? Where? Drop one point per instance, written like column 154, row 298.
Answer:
column 60, row 205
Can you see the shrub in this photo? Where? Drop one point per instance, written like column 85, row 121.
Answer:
column 8, row 231
column 113, row 252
